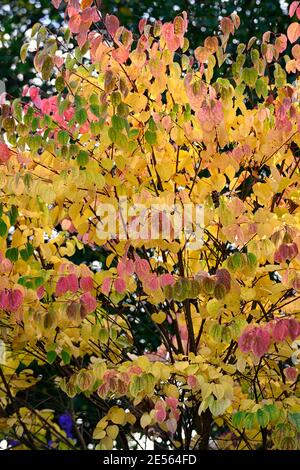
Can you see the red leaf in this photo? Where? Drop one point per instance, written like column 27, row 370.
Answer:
column 86, row 283
column 72, row 283
column 120, row 285
column 120, row 54
column 61, row 286
column 89, row 302
column 261, row 342
column 74, row 24
column 291, row 373
column 112, row 24
column 5, row 153
column 280, row 330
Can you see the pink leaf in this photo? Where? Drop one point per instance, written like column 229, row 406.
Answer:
column 161, row 415
column 171, row 425
column 40, row 292
column 120, row 54
column 246, row 339
column 112, row 24
column 105, row 288
column 227, row 26
column 223, row 276
column 72, row 283
column 293, row 328
column 293, row 32
column 141, row 267
column 125, row 268
column 81, row 39
column 89, row 302
column 166, row 280
column 281, row 43
column 5, row 265
column 291, row 373
column 4, row 299
column 90, row 15
column 142, row 24
column 15, row 299
column 56, row 3
column 61, row 286
column 293, row 8
column 152, row 282
column 172, row 402
column 261, row 342
column 5, row 153
column 280, row 330
column 192, row 381
column 86, row 283
column 74, row 24
column 120, row 285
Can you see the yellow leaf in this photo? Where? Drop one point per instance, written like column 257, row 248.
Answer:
column 145, row 420
column 117, row 415
column 158, row 317
column 112, row 431
column 98, row 433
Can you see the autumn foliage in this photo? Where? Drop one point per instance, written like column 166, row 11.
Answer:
column 142, row 116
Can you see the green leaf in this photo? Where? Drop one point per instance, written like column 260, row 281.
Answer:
column 47, row 68
column 51, row 356
column 26, row 252
column 95, row 108
column 3, row 228
column 112, row 134
column 12, row 254
column 249, row 76
column 238, row 419
column 150, row 137
column 117, row 123
column 273, row 412
column 249, row 421
column 65, row 357
column 81, row 116
column 82, row 158
column 60, row 84
column 23, row 52
column 294, row 419
column 13, row 214
column 262, row 418
column 63, row 137
column 261, row 88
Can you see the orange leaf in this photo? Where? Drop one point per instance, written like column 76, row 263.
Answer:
column 293, row 32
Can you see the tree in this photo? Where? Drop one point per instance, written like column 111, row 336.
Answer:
column 184, row 182
column 18, row 15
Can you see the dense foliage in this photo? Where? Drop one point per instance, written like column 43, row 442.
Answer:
column 16, row 16
column 136, row 119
